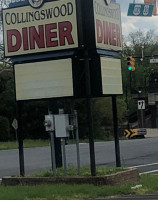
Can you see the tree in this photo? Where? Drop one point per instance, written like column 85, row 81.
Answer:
column 140, row 44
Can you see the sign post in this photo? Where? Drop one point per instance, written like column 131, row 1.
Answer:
column 116, row 135
column 89, row 113
column 20, row 139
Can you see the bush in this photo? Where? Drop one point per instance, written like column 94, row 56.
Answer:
column 4, row 128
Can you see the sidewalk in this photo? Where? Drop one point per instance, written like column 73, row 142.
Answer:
column 130, row 197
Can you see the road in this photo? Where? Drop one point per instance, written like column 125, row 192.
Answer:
column 141, row 153
column 130, row 197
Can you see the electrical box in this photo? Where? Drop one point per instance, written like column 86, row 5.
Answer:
column 49, row 122
column 61, row 125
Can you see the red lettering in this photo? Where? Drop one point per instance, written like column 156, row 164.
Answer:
column 25, row 39
column 108, row 33
column 43, row 36
column 50, row 35
column 36, row 37
column 99, row 31
column 65, row 33
column 118, row 36
column 13, row 44
column 113, row 34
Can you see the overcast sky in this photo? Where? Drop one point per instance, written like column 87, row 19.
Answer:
column 132, row 24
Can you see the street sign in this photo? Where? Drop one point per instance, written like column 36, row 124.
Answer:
column 141, row 105
column 15, row 124
column 144, row 10
column 154, row 3
column 153, row 60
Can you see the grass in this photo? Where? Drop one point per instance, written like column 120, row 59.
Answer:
column 27, row 144
column 72, row 192
column 85, row 171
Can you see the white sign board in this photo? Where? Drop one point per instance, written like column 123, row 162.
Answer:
column 153, row 60
column 141, row 105
column 45, row 79
column 111, row 75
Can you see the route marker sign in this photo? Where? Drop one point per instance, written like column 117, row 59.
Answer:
column 144, row 10
column 141, row 105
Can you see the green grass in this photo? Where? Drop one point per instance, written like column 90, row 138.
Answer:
column 72, row 192
column 27, row 144
column 85, row 171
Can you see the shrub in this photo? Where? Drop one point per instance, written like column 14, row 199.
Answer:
column 4, row 128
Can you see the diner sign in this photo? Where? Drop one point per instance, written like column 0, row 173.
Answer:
column 108, row 31
column 51, row 27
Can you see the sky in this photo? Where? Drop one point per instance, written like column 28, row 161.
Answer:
column 134, row 23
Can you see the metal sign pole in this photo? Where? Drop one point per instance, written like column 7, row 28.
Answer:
column 117, row 146
column 20, row 140
column 89, row 112
column 77, row 141
column 64, row 155
column 53, row 152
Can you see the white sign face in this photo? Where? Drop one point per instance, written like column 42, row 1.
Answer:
column 49, row 28
column 45, row 79
column 108, row 32
column 153, row 60
column 15, row 124
column 111, row 76
column 141, row 105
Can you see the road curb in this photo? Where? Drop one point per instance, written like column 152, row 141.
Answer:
column 124, row 177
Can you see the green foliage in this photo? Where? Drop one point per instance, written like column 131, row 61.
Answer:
column 27, row 144
column 137, row 43
column 32, row 120
column 4, row 128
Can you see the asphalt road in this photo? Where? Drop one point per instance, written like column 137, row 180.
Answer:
column 130, row 197
column 141, row 153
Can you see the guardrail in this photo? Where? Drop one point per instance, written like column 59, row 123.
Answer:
column 152, row 132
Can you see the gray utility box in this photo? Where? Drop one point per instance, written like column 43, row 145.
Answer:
column 61, row 125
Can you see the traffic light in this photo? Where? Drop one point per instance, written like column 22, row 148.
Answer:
column 131, row 63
